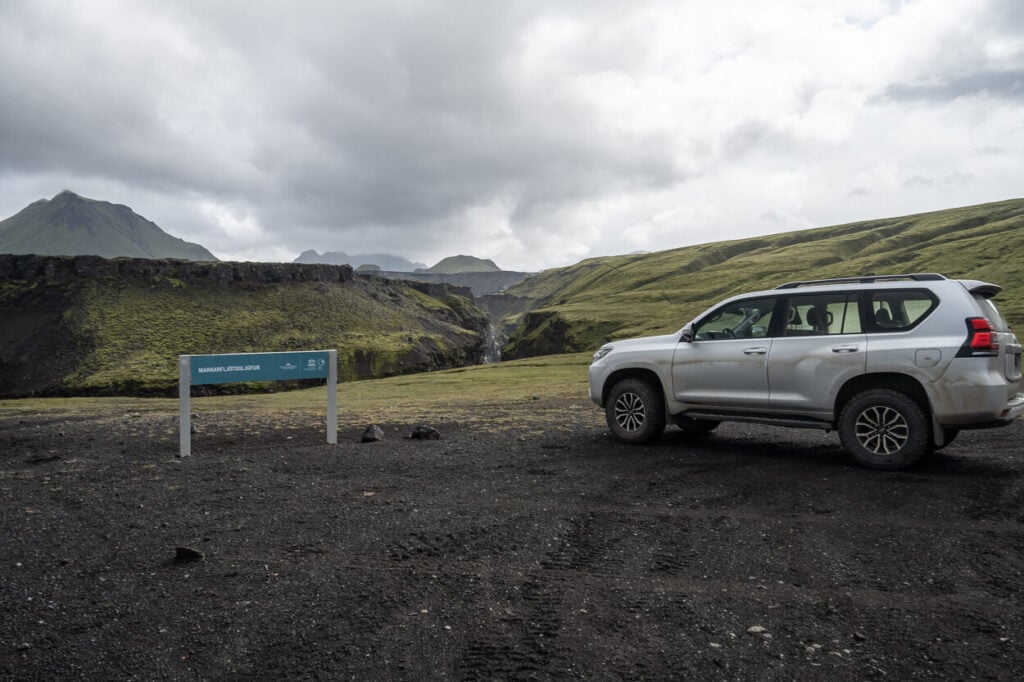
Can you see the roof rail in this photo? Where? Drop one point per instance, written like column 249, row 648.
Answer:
column 866, row 279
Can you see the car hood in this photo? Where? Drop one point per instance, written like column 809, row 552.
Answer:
column 664, row 339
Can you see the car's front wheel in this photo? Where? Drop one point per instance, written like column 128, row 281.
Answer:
column 884, row 429
column 635, row 411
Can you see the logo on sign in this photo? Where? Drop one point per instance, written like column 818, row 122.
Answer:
column 289, row 366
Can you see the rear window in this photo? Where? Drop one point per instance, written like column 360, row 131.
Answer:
column 989, row 309
column 899, row 310
column 821, row 314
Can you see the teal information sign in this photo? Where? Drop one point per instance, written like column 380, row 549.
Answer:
column 238, row 367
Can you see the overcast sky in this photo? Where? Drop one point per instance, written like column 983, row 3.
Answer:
column 533, row 133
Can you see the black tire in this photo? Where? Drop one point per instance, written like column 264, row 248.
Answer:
column 696, row 427
column 635, row 411
column 884, row 429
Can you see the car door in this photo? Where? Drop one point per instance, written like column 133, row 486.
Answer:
column 821, row 346
column 724, row 364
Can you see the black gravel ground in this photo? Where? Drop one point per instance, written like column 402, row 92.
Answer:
column 545, row 551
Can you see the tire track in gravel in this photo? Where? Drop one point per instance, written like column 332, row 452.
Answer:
column 580, row 561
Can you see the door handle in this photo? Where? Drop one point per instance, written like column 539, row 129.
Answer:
column 845, row 349
column 760, row 350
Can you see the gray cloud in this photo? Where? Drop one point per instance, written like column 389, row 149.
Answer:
column 529, row 132
column 1002, row 84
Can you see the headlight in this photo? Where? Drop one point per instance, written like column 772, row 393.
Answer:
column 605, row 350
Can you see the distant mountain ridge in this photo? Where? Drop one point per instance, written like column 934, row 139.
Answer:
column 456, row 264
column 71, row 225
column 482, row 276
column 385, row 261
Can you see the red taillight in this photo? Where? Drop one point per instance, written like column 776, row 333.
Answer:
column 983, row 337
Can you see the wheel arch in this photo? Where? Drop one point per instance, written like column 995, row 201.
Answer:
column 898, row 382
column 647, row 375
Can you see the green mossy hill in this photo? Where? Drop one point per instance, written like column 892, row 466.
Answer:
column 580, row 307
column 457, row 264
column 91, row 326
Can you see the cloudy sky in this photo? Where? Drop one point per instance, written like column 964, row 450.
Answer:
column 534, row 133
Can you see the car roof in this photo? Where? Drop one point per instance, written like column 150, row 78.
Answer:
column 871, row 282
column 867, row 279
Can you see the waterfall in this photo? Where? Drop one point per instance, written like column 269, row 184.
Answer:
column 492, row 347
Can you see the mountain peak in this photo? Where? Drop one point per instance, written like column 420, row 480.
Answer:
column 71, row 225
column 66, row 196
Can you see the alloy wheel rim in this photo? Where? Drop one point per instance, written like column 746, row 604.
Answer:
column 630, row 412
column 882, row 430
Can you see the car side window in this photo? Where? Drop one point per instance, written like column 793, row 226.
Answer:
column 899, row 310
column 822, row 314
column 747, row 319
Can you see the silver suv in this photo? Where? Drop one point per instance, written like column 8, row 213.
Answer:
column 897, row 364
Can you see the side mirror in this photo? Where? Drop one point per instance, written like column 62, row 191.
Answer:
column 686, row 336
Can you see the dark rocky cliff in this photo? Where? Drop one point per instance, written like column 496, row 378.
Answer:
column 69, row 268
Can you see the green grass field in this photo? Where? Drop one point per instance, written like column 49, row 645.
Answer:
column 492, row 394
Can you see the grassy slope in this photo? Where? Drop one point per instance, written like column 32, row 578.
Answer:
column 598, row 299
column 139, row 330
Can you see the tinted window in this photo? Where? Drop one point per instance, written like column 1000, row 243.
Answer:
column 988, row 307
column 821, row 314
column 899, row 310
column 748, row 319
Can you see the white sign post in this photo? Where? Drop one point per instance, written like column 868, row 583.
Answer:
column 239, row 367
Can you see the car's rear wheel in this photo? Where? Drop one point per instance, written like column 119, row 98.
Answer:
column 635, row 411
column 884, row 429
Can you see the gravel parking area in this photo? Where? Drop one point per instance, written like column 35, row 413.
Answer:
column 535, row 551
